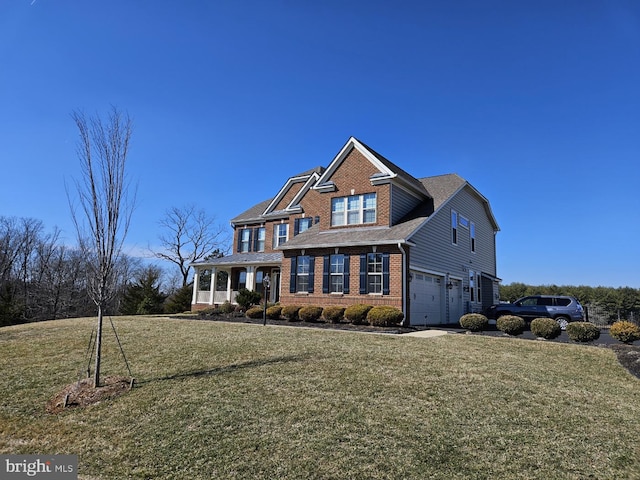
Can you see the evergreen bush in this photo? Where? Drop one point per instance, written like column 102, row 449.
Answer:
column 310, row 313
column 357, row 314
column 247, row 298
column 333, row 314
column 227, row 308
column 545, row 328
column 625, row 331
column 583, row 332
column 255, row 312
column 290, row 312
column 511, row 324
column 474, row 322
column 385, row 316
column 273, row 312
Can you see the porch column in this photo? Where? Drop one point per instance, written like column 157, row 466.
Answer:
column 212, row 286
column 196, row 285
column 229, row 291
column 251, row 278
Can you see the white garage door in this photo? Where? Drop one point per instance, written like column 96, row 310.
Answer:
column 426, row 299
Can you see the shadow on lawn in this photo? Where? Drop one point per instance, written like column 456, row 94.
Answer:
column 226, row 368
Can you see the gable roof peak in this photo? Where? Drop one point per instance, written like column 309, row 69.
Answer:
column 388, row 171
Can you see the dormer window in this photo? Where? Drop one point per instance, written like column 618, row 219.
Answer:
column 353, row 210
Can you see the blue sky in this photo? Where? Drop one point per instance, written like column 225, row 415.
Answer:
column 536, row 103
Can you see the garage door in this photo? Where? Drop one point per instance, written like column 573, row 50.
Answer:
column 426, row 299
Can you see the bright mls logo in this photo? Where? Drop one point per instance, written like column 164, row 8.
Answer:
column 50, row 467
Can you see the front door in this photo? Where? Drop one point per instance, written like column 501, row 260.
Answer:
column 275, row 285
column 455, row 301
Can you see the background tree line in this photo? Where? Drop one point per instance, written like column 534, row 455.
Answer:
column 43, row 279
column 617, row 303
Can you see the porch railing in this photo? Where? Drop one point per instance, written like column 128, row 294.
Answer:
column 219, row 297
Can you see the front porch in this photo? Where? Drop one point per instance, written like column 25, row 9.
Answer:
column 219, row 280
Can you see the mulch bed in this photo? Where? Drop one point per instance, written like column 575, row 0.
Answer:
column 629, row 357
column 82, row 393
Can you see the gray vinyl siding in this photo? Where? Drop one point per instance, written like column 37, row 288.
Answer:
column 402, row 202
column 435, row 252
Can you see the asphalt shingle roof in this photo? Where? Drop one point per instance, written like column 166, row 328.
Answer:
column 244, row 258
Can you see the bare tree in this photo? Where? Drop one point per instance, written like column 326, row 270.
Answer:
column 190, row 235
column 104, row 207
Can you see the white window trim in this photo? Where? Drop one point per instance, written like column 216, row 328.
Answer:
column 333, row 275
column 375, row 274
column 277, row 236
column 299, row 275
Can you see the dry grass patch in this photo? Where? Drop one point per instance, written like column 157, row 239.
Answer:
column 219, row 400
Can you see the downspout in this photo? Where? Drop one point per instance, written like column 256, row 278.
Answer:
column 404, row 284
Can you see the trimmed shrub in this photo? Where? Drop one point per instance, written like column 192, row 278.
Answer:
column 310, row 313
column 333, row 314
column 290, row 312
column 227, row 308
column 625, row 331
column 583, row 332
column 511, row 324
column 385, row 316
column 357, row 314
column 273, row 312
column 255, row 312
column 474, row 322
column 246, row 298
column 545, row 328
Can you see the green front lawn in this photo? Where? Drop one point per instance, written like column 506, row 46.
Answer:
column 221, row 400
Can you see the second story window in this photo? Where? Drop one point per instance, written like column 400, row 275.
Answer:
column 454, row 227
column 260, row 234
column 244, row 240
column 472, row 233
column 280, row 234
column 353, row 210
column 301, row 225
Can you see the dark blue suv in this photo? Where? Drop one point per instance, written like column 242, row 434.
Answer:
column 563, row 309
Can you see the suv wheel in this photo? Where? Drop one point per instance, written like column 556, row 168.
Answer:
column 563, row 322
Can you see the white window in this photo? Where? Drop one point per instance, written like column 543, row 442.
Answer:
column 302, row 225
column 353, row 210
column 337, row 211
column 337, row 274
column 302, row 274
column 261, row 233
column 245, row 240
column 374, row 273
column 280, row 234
